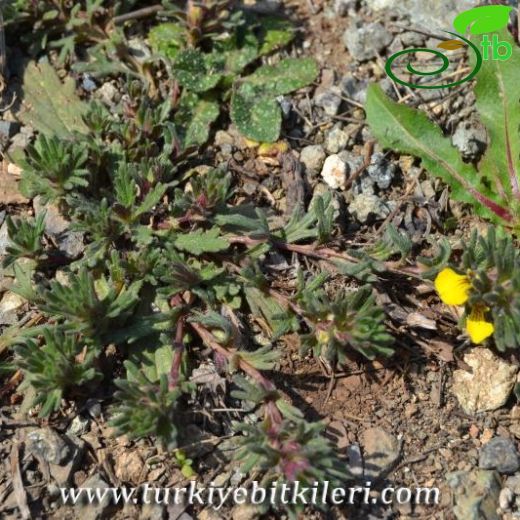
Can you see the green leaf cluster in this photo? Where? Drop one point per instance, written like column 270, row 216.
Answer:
column 349, row 321
column 492, row 264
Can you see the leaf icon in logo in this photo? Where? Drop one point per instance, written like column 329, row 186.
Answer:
column 480, row 20
column 451, row 45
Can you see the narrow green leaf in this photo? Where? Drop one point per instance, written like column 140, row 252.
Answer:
column 499, row 108
column 407, row 130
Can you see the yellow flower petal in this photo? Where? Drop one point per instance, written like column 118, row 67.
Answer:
column 477, row 327
column 453, row 288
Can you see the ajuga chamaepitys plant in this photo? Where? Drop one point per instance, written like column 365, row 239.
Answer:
column 486, row 282
column 173, row 267
column 63, row 362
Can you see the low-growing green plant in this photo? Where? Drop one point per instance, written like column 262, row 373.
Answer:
column 211, row 73
column 485, row 280
column 492, row 186
column 53, row 168
column 174, row 268
column 62, row 363
column 25, row 239
column 350, row 320
column 58, row 24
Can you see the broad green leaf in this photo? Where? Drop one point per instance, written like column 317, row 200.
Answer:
column 48, row 105
column 498, row 104
column 199, row 242
column 196, row 71
column 203, row 115
column 409, row 131
column 259, row 119
column 288, row 75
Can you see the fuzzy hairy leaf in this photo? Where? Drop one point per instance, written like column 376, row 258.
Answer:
column 196, row 71
column 253, row 106
column 276, row 33
column 197, row 114
column 284, row 77
column 167, row 38
column 199, row 242
column 50, row 106
column 258, row 119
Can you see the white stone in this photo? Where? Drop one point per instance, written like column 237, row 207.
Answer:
column 489, row 384
column 334, row 172
column 11, row 302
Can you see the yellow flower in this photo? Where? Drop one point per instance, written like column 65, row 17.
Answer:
column 476, row 326
column 453, row 288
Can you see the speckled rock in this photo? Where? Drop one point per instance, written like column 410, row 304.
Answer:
column 488, row 386
column 313, row 157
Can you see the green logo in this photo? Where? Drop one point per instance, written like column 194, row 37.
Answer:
column 480, row 20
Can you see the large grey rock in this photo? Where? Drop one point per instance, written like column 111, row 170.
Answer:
column 434, row 15
column 48, row 445
column 500, row 454
column 476, row 494
column 364, row 41
column 69, row 242
column 98, row 509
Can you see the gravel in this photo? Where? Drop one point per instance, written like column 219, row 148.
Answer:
column 355, row 89
column 428, row 15
column 470, row 138
column 313, row 157
column 334, row 172
column 381, row 171
column 365, row 41
column 336, row 140
column 366, row 205
column 329, row 100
